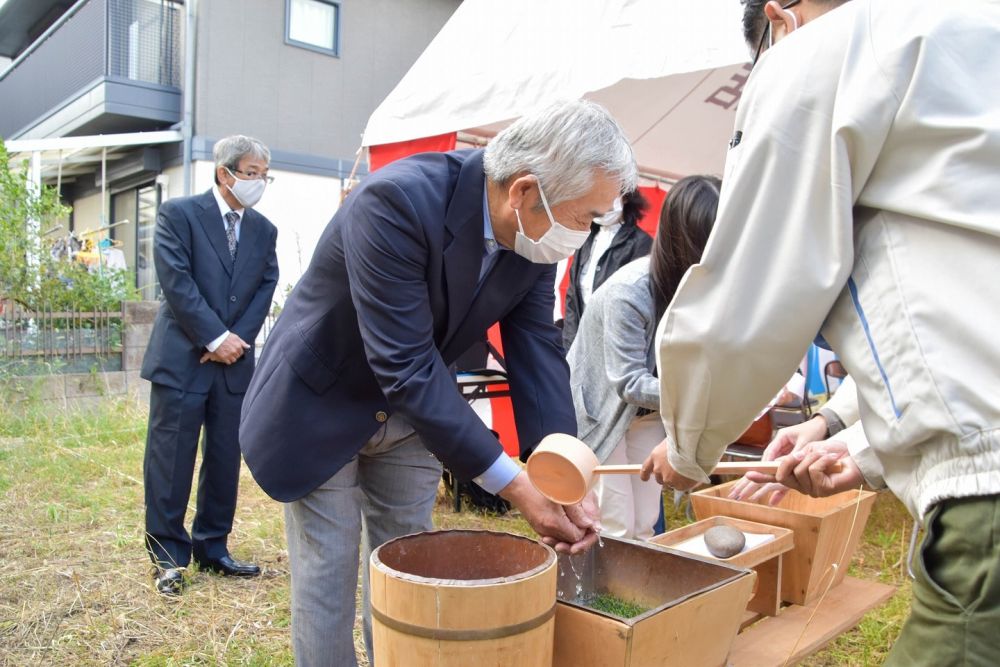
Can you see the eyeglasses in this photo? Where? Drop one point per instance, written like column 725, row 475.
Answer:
column 253, row 175
column 767, row 31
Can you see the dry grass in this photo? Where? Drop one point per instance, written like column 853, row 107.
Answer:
column 76, row 586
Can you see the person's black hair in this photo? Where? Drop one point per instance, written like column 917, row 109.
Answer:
column 754, row 21
column 634, row 206
column 686, row 220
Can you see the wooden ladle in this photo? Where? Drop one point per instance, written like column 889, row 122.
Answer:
column 563, row 468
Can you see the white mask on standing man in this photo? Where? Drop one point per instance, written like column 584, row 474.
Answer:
column 247, row 191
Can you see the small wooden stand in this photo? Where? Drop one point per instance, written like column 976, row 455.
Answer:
column 775, row 641
column 765, row 559
column 827, row 530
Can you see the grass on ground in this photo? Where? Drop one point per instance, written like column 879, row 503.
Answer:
column 76, row 584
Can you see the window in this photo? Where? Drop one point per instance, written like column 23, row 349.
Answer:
column 313, row 24
column 137, row 207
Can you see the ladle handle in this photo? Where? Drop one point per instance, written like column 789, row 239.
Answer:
column 766, row 467
column 725, row 468
column 630, row 469
column 743, row 467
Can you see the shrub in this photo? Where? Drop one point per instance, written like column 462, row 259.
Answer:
column 29, row 274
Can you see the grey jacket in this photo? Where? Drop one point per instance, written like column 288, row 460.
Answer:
column 612, row 359
column 630, row 243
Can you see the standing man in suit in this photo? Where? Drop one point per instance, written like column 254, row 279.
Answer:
column 216, row 263
column 354, row 405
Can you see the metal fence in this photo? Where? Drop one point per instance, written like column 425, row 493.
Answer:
column 53, row 341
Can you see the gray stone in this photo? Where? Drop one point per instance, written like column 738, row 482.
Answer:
column 724, row 541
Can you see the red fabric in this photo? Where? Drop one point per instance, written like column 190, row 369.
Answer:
column 379, row 156
column 564, row 286
column 655, row 196
column 503, row 410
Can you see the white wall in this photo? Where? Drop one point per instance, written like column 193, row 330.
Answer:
column 300, row 206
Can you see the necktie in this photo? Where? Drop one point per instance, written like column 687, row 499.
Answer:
column 231, row 218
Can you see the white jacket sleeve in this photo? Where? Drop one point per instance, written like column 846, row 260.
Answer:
column 861, row 452
column 782, row 246
column 844, row 402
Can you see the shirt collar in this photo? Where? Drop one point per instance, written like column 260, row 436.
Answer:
column 490, row 244
column 223, row 205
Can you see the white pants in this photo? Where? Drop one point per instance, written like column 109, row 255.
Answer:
column 629, row 506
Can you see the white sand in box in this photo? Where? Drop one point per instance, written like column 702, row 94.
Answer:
column 696, row 545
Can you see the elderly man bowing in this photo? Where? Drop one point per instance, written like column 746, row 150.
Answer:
column 354, row 406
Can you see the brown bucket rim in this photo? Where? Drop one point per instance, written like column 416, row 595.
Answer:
column 551, row 560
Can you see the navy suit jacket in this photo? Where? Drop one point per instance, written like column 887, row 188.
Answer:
column 204, row 294
column 388, row 302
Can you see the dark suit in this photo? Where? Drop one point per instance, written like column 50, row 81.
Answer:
column 389, row 300
column 204, row 294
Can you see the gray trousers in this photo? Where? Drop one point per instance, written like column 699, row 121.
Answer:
column 386, row 491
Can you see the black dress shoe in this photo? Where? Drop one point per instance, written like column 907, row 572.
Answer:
column 228, row 566
column 169, row 582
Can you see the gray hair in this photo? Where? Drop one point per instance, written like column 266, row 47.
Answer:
column 562, row 146
column 230, row 150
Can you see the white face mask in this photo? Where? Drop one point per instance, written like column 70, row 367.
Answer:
column 611, row 217
column 556, row 244
column 247, row 191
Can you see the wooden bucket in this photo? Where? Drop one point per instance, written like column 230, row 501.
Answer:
column 457, row 598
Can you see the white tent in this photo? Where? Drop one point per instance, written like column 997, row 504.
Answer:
column 671, row 72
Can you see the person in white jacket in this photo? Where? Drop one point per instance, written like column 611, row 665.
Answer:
column 860, row 200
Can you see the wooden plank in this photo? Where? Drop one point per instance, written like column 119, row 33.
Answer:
column 773, row 640
column 767, row 595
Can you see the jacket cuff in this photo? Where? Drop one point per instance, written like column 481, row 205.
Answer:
column 864, row 457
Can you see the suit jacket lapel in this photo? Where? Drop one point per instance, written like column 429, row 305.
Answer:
column 463, row 254
column 511, row 273
column 211, row 220
column 248, row 240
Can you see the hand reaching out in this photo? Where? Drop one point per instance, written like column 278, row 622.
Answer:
column 820, row 469
column 752, row 488
column 658, row 466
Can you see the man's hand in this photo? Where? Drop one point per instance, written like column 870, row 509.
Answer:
column 820, row 469
column 211, row 356
column 231, row 349
column 572, row 529
column 751, row 487
column 657, row 465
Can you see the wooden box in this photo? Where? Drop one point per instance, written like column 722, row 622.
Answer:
column 826, row 532
column 694, row 607
column 764, row 558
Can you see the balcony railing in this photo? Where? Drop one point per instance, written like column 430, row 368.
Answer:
column 113, row 40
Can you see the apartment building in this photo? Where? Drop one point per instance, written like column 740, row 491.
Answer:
column 119, row 102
